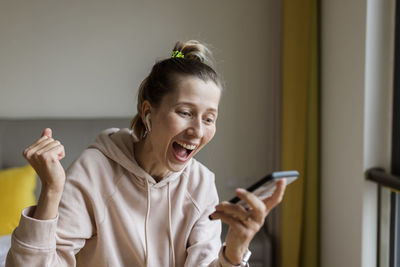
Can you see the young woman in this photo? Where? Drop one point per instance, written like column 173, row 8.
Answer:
column 137, row 197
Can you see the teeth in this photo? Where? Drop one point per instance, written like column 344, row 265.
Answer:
column 191, row 147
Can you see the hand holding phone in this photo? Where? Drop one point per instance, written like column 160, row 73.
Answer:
column 266, row 186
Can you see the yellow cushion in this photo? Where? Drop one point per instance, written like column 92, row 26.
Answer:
column 17, row 186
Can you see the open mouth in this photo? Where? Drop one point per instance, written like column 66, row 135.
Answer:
column 182, row 150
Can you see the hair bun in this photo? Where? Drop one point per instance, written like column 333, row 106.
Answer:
column 195, row 50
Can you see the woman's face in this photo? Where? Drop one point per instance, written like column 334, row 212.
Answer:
column 183, row 124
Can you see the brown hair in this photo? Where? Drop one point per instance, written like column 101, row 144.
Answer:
column 165, row 74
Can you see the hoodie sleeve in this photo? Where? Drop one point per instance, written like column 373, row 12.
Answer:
column 205, row 247
column 55, row 242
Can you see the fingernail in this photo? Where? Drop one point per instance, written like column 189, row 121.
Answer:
column 241, row 190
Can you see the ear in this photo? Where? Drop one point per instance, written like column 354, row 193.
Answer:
column 146, row 109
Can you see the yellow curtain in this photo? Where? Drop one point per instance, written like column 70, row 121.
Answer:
column 300, row 134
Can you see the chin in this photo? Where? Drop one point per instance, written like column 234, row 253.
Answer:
column 178, row 167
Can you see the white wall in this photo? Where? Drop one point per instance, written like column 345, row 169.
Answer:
column 87, row 58
column 356, row 85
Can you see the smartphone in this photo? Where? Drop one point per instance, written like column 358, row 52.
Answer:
column 266, row 186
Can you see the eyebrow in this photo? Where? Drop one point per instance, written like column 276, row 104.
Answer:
column 191, row 104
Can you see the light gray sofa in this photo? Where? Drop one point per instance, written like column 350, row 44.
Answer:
column 76, row 135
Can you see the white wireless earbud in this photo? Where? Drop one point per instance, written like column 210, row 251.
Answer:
column 148, row 122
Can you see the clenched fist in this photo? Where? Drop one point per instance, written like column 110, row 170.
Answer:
column 44, row 155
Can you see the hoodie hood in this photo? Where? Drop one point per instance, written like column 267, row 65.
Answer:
column 117, row 144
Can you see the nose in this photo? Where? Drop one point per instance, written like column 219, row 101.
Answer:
column 196, row 128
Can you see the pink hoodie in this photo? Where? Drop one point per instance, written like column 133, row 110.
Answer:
column 113, row 213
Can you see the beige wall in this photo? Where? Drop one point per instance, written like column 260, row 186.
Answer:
column 86, row 59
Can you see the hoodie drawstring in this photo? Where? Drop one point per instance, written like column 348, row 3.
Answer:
column 146, row 221
column 171, row 240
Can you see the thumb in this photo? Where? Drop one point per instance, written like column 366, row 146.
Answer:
column 47, row 132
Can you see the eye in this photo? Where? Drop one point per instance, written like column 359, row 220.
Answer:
column 209, row 120
column 185, row 113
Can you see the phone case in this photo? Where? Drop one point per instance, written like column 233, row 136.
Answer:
column 267, row 185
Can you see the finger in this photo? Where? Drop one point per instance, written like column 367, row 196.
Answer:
column 53, row 153
column 34, row 144
column 39, row 144
column 59, row 151
column 61, row 155
column 277, row 196
column 48, row 147
column 253, row 201
column 233, row 222
column 47, row 132
column 233, row 210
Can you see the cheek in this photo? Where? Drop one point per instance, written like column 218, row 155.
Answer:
column 209, row 134
column 172, row 125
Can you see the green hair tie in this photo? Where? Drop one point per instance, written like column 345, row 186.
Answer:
column 177, row 53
